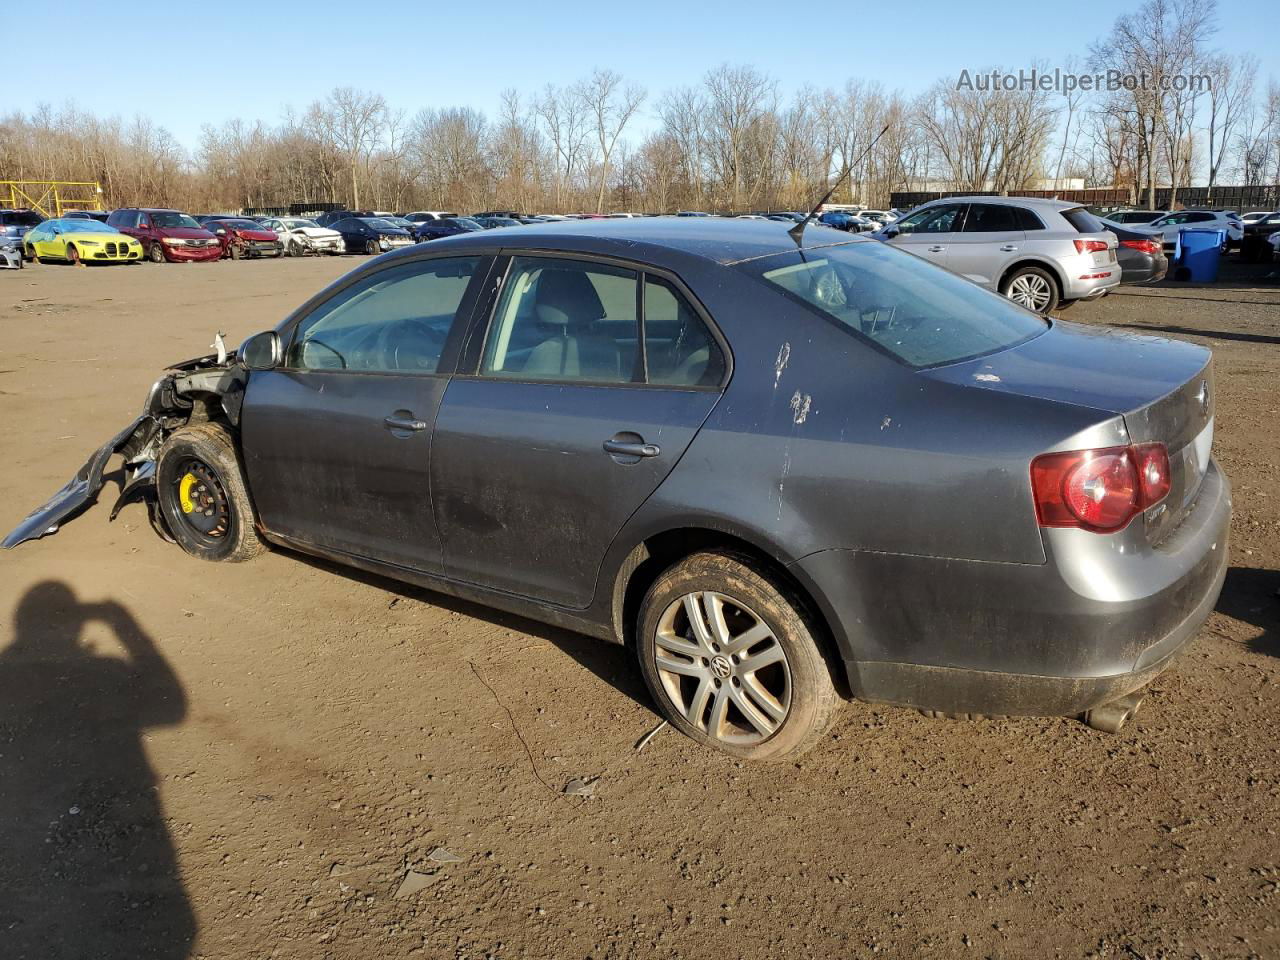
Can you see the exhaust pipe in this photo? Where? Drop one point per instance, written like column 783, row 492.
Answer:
column 1110, row 717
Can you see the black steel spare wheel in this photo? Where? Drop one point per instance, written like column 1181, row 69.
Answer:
column 202, row 494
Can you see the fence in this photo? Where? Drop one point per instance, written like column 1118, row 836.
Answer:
column 1241, row 199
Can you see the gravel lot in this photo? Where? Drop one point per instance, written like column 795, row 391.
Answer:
column 244, row 760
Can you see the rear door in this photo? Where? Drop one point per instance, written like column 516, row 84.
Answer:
column 991, row 240
column 930, row 233
column 568, row 421
column 337, row 441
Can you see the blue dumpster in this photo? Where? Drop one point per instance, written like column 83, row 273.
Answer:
column 1198, row 254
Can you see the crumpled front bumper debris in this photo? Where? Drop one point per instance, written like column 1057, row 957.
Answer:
column 81, row 490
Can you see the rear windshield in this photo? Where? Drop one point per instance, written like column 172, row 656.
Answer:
column 21, row 218
column 1083, row 220
column 921, row 314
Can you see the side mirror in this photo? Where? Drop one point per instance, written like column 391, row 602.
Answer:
column 262, row 351
column 892, row 230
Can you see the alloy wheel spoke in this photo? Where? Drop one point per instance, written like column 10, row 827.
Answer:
column 683, row 667
column 714, row 604
column 762, row 698
column 719, row 711
column 771, row 654
column 697, row 620
column 748, row 638
column 698, row 703
column 677, row 644
column 754, row 715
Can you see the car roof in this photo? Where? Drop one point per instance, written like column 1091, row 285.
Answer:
column 653, row 239
column 1043, row 203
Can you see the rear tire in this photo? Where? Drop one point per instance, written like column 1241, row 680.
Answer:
column 1033, row 288
column 772, row 711
column 202, row 494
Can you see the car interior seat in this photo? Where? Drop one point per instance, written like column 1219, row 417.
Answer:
column 567, row 303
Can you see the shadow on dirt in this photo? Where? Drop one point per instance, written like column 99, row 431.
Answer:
column 87, row 867
column 1250, row 596
column 1197, row 332
column 614, row 664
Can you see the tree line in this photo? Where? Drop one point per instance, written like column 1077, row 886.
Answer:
column 731, row 142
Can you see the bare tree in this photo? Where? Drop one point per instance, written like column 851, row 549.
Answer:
column 353, row 121
column 1232, row 78
column 611, row 106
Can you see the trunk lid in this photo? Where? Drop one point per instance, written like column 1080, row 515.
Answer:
column 1164, row 390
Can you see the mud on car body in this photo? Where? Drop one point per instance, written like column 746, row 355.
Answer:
column 780, row 469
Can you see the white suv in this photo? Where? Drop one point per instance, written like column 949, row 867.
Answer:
column 1171, row 223
column 1040, row 253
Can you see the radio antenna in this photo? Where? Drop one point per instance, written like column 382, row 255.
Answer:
column 797, row 232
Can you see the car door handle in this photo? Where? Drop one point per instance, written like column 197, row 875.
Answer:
column 404, row 423
column 1008, row 248
column 936, row 249
column 625, row 448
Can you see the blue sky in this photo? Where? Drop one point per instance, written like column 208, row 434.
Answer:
column 194, row 64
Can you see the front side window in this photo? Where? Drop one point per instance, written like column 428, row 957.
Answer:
column 393, row 321
column 565, row 320
column 909, row 308
column 941, row 219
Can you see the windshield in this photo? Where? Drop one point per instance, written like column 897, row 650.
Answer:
column 466, row 223
column 379, row 224
column 923, row 315
column 174, row 220
column 84, row 226
column 301, row 224
column 240, row 224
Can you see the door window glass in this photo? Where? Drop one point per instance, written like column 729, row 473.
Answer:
column 940, row 219
column 565, row 320
column 679, row 350
column 990, row 218
column 394, row 321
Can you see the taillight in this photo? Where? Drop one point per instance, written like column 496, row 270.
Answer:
column 1090, row 246
column 1099, row 490
column 1145, row 246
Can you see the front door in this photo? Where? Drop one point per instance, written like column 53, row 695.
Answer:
column 337, row 441
column 929, row 233
column 570, row 420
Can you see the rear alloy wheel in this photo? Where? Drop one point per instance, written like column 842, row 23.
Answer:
column 156, row 253
column 1033, row 288
column 731, row 661
column 202, row 495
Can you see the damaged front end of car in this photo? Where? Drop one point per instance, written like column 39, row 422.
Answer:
column 205, row 388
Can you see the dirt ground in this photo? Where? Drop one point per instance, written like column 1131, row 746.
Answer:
column 244, row 760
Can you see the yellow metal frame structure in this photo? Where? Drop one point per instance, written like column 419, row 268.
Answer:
column 50, row 197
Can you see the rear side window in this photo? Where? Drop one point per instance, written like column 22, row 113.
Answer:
column 1083, row 220
column 393, row 321
column 990, row 218
column 679, row 349
column 921, row 314
column 566, row 321
column 1026, row 219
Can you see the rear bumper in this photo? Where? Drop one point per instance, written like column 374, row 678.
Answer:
column 1086, row 283
column 1147, row 270
column 1033, row 639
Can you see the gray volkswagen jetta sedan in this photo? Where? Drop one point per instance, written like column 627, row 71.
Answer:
column 782, row 471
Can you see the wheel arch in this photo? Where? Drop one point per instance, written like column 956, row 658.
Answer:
column 659, row 550
column 1045, row 265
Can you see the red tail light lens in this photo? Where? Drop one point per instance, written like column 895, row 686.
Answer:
column 1090, row 246
column 1099, row 490
column 1146, row 246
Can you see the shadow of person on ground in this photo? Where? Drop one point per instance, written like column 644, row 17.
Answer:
column 1250, row 596
column 87, row 868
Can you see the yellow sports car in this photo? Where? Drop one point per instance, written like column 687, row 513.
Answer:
column 80, row 241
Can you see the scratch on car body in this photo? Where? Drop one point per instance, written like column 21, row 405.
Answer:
column 784, row 356
column 800, row 404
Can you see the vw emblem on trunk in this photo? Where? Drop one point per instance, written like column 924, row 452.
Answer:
column 1203, row 397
